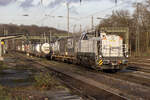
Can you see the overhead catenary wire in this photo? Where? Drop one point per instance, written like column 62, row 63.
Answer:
column 78, row 19
column 52, row 11
column 120, row 4
column 89, row 16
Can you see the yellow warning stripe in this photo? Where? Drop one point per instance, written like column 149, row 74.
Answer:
column 100, row 62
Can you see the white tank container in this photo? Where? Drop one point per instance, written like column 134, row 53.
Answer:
column 45, row 48
column 18, row 48
column 23, row 48
column 38, row 48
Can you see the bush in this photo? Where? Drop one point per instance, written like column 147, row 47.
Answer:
column 45, row 81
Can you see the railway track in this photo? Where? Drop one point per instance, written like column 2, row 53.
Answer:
column 107, row 83
column 140, row 59
column 140, row 74
column 81, row 84
column 142, row 67
column 62, row 94
column 140, row 64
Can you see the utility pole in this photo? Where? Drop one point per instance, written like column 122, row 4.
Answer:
column 137, row 32
column 41, row 40
column 74, row 28
column 50, row 35
column 44, row 37
column 6, row 42
column 80, row 28
column 147, row 40
column 92, row 23
column 1, row 58
column 130, row 49
column 68, row 18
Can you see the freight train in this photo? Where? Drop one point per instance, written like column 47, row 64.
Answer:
column 38, row 49
column 93, row 49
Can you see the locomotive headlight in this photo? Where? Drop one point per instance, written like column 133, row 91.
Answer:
column 127, row 55
column 100, row 56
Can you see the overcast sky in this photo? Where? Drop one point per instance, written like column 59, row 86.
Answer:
column 12, row 11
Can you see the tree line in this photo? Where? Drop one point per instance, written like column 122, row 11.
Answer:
column 31, row 30
column 138, row 23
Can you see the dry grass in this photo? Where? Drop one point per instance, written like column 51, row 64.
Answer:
column 45, row 81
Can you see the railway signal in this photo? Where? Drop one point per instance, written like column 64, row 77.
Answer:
column 2, row 43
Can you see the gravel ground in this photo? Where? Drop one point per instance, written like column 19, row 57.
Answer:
column 17, row 82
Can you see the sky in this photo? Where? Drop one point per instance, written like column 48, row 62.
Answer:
column 53, row 13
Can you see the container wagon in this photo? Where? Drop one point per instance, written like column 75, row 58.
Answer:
column 64, row 49
column 35, row 49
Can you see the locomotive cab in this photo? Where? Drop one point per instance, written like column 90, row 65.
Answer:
column 112, row 53
column 102, row 51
